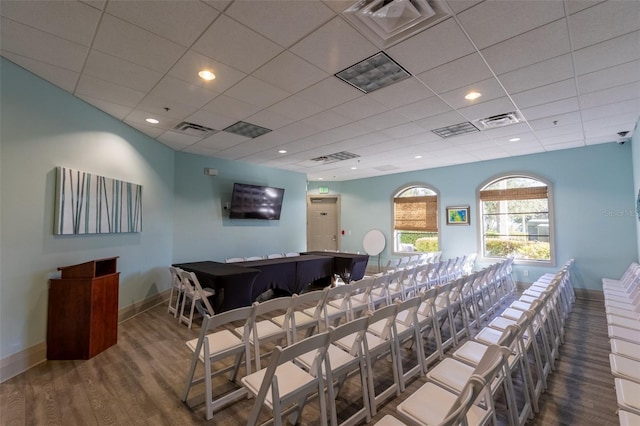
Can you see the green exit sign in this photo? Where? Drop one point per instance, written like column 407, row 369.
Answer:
column 324, row 189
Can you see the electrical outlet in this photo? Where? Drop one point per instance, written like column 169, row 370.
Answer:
column 525, row 273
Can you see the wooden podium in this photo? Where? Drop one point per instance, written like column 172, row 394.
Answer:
column 83, row 310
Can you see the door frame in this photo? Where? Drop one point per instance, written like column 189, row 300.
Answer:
column 338, row 215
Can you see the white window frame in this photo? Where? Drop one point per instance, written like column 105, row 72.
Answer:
column 397, row 192
column 552, row 232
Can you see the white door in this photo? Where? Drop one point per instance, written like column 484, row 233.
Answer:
column 322, row 223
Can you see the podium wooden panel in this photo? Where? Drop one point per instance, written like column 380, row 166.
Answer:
column 83, row 310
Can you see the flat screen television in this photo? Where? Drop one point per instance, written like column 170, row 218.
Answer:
column 255, row 202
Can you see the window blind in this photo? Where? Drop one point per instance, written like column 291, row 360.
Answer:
column 530, row 193
column 416, row 213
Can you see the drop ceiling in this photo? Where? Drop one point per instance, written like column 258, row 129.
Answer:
column 570, row 68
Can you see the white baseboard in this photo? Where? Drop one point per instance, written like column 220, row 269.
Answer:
column 28, row 358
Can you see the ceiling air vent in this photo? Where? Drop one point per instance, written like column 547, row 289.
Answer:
column 338, row 156
column 194, row 129
column 373, row 73
column 386, row 22
column 455, row 130
column 499, row 120
column 249, row 130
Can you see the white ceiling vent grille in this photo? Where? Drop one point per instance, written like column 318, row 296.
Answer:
column 192, row 129
column 386, row 22
column 338, row 156
column 499, row 120
column 455, row 130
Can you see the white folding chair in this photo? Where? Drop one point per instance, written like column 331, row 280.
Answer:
column 296, row 319
column 251, row 258
column 214, row 344
column 193, row 292
column 234, row 259
column 428, row 324
column 177, row 288
column 284, row 387
column 275, row 256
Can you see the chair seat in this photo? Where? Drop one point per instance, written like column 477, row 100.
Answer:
column 625, row 313
column 451, row 373
column 628, row 394
column 430, row 405
column 220, row 341
column 337, row 358
column 301, row 318
column 266, row 329
column 617, row 332
column 389, row 420
column 628, row 419
column 291, row 379
column 625, row 368
column 489, row 335
column 623, row 322
column 626, row 349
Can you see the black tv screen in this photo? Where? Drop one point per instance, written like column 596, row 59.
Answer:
column 255, row 202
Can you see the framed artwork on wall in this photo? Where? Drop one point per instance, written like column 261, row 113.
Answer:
column 92, row 204
column 458, row 215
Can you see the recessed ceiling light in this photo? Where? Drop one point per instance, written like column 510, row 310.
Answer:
column 283, row 151
column 418, row 156
column 514, row 139
column 206, row 75
column 320, row 178
column 472, row 95
column 354, row 168
column 152, row 120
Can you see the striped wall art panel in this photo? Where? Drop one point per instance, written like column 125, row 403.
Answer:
column 92, row 204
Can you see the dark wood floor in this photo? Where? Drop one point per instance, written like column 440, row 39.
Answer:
column 140, row 381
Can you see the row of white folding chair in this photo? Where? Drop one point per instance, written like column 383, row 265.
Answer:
column 622, row 302
column 471, row 404
column 184, row 293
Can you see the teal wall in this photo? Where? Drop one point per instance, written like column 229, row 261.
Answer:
column 592, row 194
column 200, row 199
column 635, row 149
column 43, row 127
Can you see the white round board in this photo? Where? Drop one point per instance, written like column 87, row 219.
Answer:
column 373, row 242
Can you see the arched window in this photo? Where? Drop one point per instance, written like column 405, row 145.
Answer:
column 516, row 219
column 415, row 219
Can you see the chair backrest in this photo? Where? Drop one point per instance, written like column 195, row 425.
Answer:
column 358, row 325
column 275, row 256
column 234, row 259
column 292, row 254
column 469, row 263
column 387, row 314
column 176, row 280
column 406, row 313
column 392, row 265
column 428, row 301
column 491, row 362
column 458, row 412
column 190, row 280
column 272, row 305
column 254, row 258
column 214, row 322
column 301, row 301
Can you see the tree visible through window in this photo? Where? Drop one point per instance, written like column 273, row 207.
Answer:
column 515, row 219
column 415, row 220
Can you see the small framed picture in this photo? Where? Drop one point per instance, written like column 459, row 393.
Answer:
column 458, row 215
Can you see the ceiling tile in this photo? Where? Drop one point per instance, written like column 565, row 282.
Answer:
column 491, row 22
column 539, row 74
column 334, row 46
column 330, row 92
column 609, row 77
column 61, row 77
column 70, row 20
column 441, row 120
column 534, row 46
column 218, row 4
column 326, row 120
column 625, row 108
column 490, row 89
column 178, row 21
column 297, row 131
column 296, row 108
column 402, row 93
column 458, row 6
column 607, row 54
column 407, row 129
column 384, row 121
column 425, row 108
column 256, row 92
column 40, row 46
column 360, row 108
column 457, row 73
column 236, row 45
column 177, row 140
column 551, row 109
column 222, row 140
column 430, row 44
column 565, row 145
column 121, row 72
column 210, row 119
column 574, row 6
column 269, row 119
column 150, row 131
column 545, row 94
column 604, row 21
column 118, row 111
column 289, row 72
column 230, row 107
column 139, row 116
column 609, row 96
column 487, row 109
column 555, row 120
column 192, row 62
column 100, row 89
column 166, row 107
column 123, row 40
column 182, row 92
column 284, row 22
